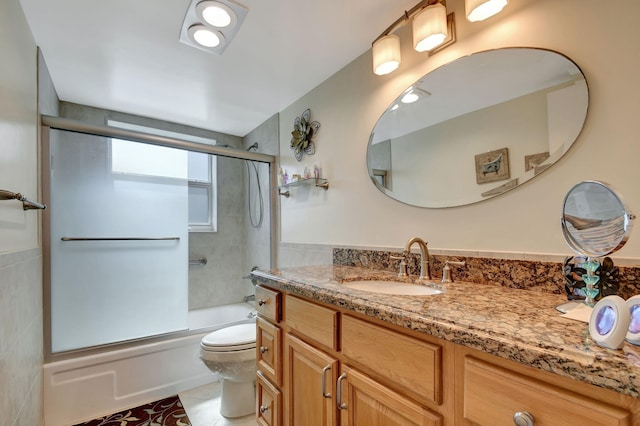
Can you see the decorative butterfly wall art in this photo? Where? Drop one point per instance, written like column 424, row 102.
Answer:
column 303, row 131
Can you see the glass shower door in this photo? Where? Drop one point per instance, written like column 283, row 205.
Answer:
column 119, row 240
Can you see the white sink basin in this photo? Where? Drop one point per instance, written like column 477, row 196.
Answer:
column 392, row 287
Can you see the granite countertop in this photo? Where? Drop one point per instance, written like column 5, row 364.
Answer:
column 519, row 325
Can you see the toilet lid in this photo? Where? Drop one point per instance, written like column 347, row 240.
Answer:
column 234, row 338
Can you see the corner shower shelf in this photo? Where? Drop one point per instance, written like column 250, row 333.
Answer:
column 27, row 204
column 317, row 182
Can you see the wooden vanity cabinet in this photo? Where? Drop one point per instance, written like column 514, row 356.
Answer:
column 326, row 352
column 269, row 404
column 341, row 368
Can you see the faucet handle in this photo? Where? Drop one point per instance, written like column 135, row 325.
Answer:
column 403, row 263
column 446, row 271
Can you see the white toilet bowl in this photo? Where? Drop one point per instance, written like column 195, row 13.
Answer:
column 231, row 353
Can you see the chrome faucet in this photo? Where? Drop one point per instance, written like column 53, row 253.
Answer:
column 424, row 256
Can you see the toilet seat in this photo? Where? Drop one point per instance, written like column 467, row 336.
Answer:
column 230, row 339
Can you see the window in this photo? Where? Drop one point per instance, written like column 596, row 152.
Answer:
column 151, row 160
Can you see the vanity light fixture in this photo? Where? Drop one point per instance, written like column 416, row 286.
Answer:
column 433, row 30
column 479, row 10
column 210, row 25
column 429, row 27
column 386, row 54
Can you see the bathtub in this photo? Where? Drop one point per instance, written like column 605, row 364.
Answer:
column 90, row 386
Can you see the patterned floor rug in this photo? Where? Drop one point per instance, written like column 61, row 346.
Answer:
column 166, row 412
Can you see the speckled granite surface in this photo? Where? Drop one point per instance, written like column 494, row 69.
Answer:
column 539, row 276
column 514, row 324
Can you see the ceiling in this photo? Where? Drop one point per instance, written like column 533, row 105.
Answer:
column 125, row 55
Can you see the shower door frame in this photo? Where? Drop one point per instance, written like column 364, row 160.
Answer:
column 49, row 123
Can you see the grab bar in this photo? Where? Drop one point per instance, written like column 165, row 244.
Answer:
column 27, row 204
column 119, row 239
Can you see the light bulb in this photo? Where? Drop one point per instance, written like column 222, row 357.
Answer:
column 386, row 54
column 479, row 10
column 430, row 27
column 204, row 36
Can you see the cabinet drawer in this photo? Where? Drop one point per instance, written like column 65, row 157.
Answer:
column 380, row 349
column 268, row 350
column 268, row 303
column 492, row 395
column 268, row 403
column 314, row 321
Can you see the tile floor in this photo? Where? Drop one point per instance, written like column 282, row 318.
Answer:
column 203, row 407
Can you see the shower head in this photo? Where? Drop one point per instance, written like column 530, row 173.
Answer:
column 253, row 147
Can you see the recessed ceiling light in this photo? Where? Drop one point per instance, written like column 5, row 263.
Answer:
column 216, row 14
column 205, row 36
column 210, row 25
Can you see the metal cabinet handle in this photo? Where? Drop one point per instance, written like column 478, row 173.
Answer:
column 324, row 381
column 523, row 418
column 341, row 405
column 263, row 349
column 262, row 302
column 263, row 409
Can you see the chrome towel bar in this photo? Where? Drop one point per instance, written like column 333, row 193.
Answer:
column 27, row 204
column 119, row 239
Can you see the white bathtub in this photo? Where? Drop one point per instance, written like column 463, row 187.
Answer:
column 90, row 386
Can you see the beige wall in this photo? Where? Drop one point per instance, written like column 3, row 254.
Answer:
column 600, row 38
column 20, row 259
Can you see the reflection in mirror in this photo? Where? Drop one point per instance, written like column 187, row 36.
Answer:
column 595, row 220
column 477, row 127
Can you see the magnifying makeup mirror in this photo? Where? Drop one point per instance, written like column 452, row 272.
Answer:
column 595, row 220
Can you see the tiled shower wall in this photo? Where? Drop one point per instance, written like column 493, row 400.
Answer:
column 21, row 338
column 21, row 347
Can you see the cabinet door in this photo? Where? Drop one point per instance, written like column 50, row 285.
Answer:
column 364, row 401
column 310, row 377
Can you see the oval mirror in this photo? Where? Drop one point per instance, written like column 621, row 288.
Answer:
column 477, row 127
column 595, row 220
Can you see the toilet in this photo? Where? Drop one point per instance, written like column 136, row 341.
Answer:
column 231, row 353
